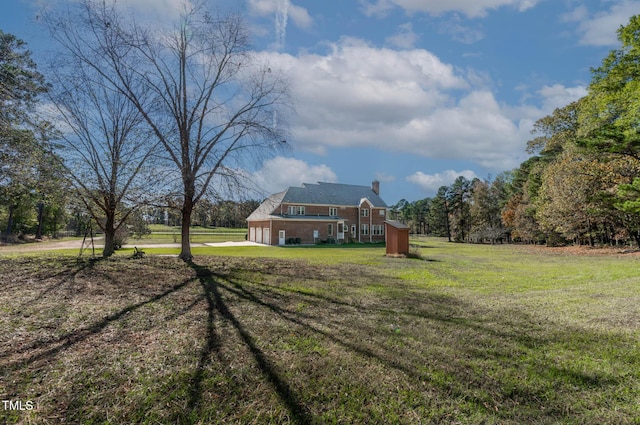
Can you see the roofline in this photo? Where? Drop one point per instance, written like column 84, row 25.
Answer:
column 334, row 205
column 299, row 218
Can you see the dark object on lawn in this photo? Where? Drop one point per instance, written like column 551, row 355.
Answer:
column 137, row 253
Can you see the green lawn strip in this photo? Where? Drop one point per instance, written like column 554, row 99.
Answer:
column 204, row 237
column 326, row 335
column 196, row 229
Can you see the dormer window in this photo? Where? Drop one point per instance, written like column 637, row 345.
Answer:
column 295, row 210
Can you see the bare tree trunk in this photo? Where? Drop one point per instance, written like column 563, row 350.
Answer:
column 55, row 226
column 109, row 237
column 40, row 219
column 185, row 249
column 9, row 228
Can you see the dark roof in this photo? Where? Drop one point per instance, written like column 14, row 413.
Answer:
column 266, row 208
column 396, row 224
column 332, row 194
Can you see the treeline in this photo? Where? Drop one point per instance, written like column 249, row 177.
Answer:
column 581, row 183
column 30, row 216
column 221, row 213
column 466, row 211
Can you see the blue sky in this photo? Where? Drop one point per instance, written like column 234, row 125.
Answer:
column 412, row 93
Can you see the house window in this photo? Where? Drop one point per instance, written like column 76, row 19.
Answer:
column 301, row 210
column 365, row 213
column 364, row 229
column 333, row 211
column 381, row 213
column 377, row 229
column 291, row 210
column 330, row 229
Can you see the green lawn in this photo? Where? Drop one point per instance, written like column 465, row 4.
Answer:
column 470, row 334
column 161, row 234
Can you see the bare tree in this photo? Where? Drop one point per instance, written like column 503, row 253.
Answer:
column 104, row 141
column 215, row 104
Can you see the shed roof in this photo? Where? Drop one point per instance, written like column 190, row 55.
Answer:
column 396, row 224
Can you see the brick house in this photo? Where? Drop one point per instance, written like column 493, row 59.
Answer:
column 320, row 213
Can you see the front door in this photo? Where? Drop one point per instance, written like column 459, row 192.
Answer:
column 341, row 231
column 281, row 237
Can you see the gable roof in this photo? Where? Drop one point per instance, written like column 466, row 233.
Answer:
column 317, row 194
column 332, row 194
column 267, row 207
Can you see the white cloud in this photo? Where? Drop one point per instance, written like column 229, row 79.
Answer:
column 298, row 14
column 470, row 8
column 384, row 177
column 282, row 15
column 408, row 101
column 460, row 32
column 600, row 29
column 280, row 173
column 378, row 8
column 405, row 38
column 557, row 96
column 281, row 10
column 163, row 10
column 403, row 101
column 578, row 14
column 432, row 182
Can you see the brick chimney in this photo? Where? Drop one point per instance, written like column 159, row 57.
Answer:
column 375, row 186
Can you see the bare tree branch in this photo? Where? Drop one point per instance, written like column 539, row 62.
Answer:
column 206, row 98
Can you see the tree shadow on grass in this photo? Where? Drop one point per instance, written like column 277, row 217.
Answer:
column 509, row 344
column 211, row 283
column 46, row 350
column 384, row 348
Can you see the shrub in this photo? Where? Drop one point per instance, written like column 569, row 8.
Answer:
column 414, row 252
column 121, row 237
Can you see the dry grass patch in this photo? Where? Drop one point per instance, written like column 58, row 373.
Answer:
column 260, row 340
